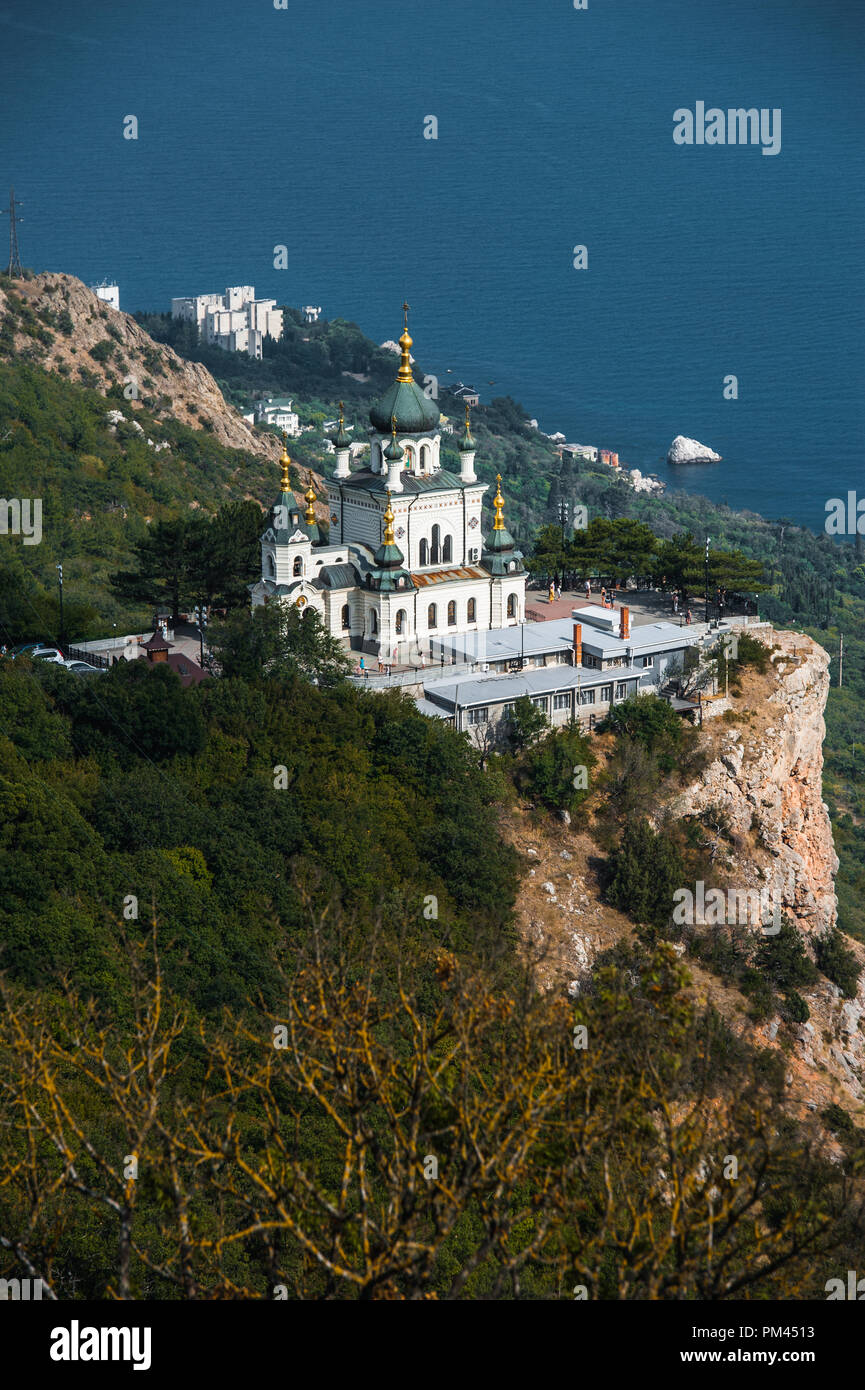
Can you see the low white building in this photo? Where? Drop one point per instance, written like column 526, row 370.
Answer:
column 109, row 294
column 277, row 413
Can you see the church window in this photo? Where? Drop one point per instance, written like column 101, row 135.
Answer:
column 432, row 617
column 435, row 547
column 512, row 605
column 447, row 549
column 471, row 611
column 400, row 622
column 424, row 458
column 298, row 565
column 452, row 614
column 373, row 620
column 346, row 616
column 270, row 567
column 424, row 552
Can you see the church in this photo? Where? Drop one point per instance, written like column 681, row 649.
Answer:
column 406, row 563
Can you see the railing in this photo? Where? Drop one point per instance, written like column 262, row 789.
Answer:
column 92, row 658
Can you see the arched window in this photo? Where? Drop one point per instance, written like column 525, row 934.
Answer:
column 375, row 460
column 408, row 461
column 424, row 458
column 447, row 549
column 424, row 552
column 298, row 565
column 435, row 547
column 270, row 566
column 373, row 620
column 400, row 622
column 432, row 617
column 471, row 611
column 512, row 605
column 452, row 614
column 346, row 616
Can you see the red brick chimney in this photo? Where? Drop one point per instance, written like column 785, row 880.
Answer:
column 625, row 624
column 578, row 644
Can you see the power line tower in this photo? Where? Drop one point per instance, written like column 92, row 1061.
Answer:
column 15, row 267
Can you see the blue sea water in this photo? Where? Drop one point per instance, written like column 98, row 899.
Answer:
column 304, row 126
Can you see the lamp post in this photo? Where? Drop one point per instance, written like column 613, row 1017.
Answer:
column 62, row 629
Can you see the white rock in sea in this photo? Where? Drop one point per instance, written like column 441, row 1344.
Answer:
column 684, row 450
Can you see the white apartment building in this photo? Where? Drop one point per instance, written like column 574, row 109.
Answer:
column 234, row 320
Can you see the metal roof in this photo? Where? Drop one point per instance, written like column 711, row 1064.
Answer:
column 547, row 680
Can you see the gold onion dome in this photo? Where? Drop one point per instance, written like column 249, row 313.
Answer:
column 285, row 464
column 498, row 503
column 389, row 538
column 309, row 516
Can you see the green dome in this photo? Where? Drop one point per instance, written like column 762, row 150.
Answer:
column 415, row 412
column 394, row 451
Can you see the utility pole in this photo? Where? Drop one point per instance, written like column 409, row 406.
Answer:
column 14, row 268
column 62, row 631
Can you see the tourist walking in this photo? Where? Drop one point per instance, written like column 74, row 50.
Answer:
column 588, row 589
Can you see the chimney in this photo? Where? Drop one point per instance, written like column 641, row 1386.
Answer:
column 578, row 644
column 625, row 624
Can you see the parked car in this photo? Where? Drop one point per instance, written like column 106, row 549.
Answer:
column 39, row 651
column 83, row 668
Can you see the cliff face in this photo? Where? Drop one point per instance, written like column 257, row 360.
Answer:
column 767, row 779
column 167, row 385
column 764, row 779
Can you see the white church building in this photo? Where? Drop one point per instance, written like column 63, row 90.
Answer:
column 406, row 562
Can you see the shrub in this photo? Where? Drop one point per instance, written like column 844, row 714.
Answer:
column 643, row 874
column 838, row 963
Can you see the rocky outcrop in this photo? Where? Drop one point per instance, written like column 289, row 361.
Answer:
column 58, row 322
column 684, row 450
column 767, row 781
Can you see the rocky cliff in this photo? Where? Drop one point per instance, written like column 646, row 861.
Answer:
column 58, row 323
column 766, row 778
column 763, row 784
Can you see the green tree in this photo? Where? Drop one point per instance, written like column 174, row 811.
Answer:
column 525, row 723
column 276, row 640
column 642, row 875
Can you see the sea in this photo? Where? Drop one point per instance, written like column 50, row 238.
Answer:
column 510, row 170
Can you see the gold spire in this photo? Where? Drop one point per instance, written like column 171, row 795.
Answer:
column 341, row 421
column 285, row 463
column 468, row 431
column 498, row 503
column 405, row 342
column 388, row 523
column 309, row 515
